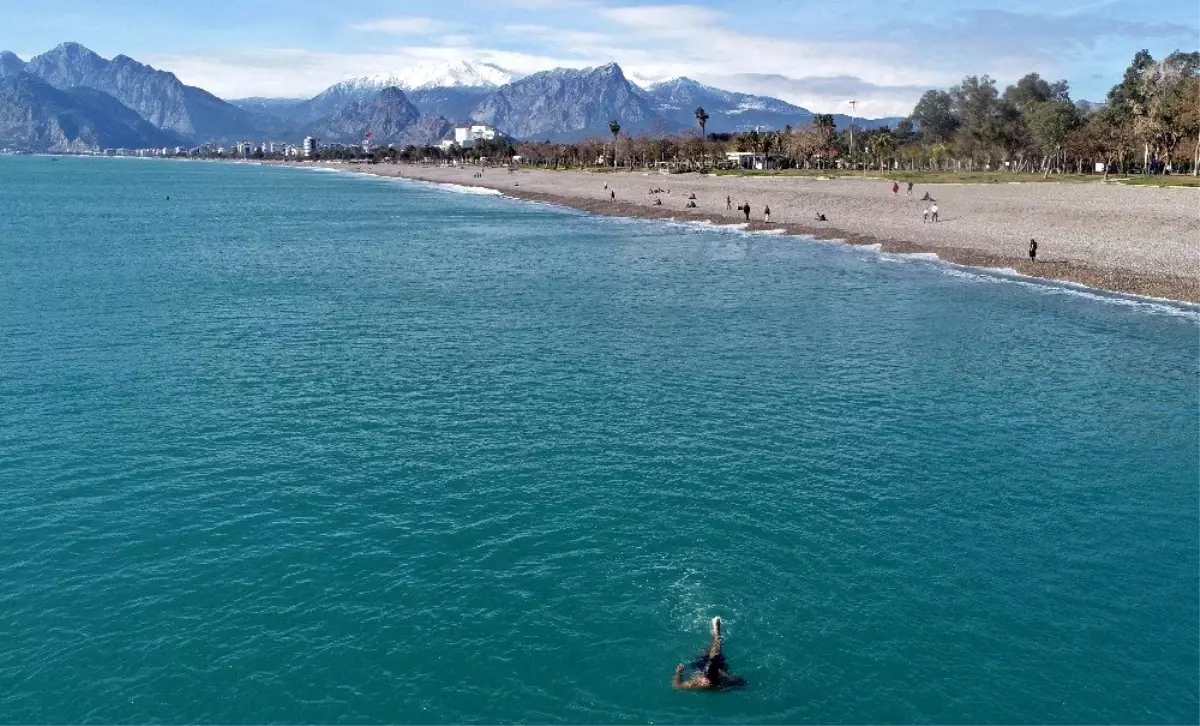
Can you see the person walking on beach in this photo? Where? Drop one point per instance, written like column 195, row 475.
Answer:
column 729, row 202
column 711, row 669
column 895, row 188
column 767, row 214
column 925, row 216
column 606, row 185
column 1032, row 250
column 612, row 195
column 746, row 209
column 909, row 192
column 933, row 211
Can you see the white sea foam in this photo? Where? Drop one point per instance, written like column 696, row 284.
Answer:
column 769, row 232
column 926, row 256
column 1007, row 275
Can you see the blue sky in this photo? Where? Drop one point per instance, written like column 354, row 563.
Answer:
column 817, row 54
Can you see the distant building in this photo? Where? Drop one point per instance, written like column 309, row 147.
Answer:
column 750, row 160
column 310, row 147
column 467, row 134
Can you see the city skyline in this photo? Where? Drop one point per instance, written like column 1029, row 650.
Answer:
column 806, row 53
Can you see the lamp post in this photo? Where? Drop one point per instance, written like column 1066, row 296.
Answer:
column 853, row 109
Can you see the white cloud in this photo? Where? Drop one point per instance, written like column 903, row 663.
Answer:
column 403, row 26
column 663, row 19
column 885, row 69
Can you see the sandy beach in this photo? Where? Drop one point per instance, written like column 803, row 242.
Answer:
column 1138, row 240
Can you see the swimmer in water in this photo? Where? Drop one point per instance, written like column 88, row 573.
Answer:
column 711, row 669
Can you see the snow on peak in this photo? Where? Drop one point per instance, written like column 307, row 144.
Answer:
column 641, row 81
column 455, row 74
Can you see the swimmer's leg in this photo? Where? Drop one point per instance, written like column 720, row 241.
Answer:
column 715, row 649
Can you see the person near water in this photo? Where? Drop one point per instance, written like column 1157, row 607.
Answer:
column 729, row 202
column 613, row 195
column 909, row 192
column 1032, row 250
column 746, row 210
column 767, row 214
column 711, row 670
column 895, row 188
column 933, row 211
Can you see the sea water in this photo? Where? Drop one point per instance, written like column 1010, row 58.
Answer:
column 299, row 448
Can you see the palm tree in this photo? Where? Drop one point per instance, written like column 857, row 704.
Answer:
column 702, row 119
column 615, row 128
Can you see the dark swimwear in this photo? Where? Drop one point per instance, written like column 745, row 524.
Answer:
column 717, row 671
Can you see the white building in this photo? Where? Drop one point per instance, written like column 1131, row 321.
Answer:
column 310, row 147
column 466, row 136
column 750, row 160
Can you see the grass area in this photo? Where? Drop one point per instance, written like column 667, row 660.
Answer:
column 931, row 177
column 1174, row 180
column 925, row 177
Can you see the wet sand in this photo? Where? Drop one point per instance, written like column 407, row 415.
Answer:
column 1137, row 240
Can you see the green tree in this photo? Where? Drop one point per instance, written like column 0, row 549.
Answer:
column 934, row 117
column 1051, row 122
column 615, row 129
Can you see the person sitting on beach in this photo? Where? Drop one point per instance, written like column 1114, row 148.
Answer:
column 820, row 218
column 767, row 214
column 1032, row 250
column 691, row 204
column 926, row 198
column 711, row 668
column 692, row 195
column 657, row 202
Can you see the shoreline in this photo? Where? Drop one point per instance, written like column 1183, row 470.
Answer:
column 1142, row 283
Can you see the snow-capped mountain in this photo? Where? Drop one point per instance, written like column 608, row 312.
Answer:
column 456, row 74
column 640, row 81
column 678, row 98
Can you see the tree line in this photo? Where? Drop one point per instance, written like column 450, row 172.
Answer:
column 1149, row 123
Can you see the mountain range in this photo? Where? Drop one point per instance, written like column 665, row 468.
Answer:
column 558, row 105
column 71, row 99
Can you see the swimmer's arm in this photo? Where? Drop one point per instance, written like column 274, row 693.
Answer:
column 678, row 683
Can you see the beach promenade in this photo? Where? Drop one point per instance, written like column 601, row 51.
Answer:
column 1138, row 240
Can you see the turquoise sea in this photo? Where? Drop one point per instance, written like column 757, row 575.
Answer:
column 300, row 447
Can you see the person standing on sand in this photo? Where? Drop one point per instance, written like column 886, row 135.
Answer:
column 612, row 195
column 729, row 202
column 925, row 216
column 895, row 188
column 933, row 211
column 909, row 192
column 606, row 185
column 767, row 214
column 746, row 209
column 1032, row 250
